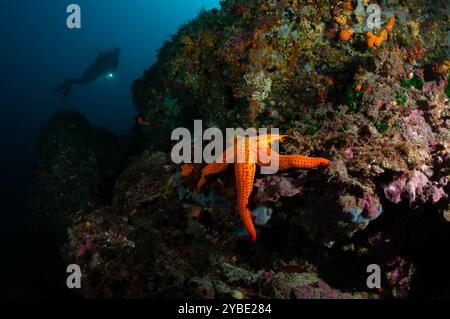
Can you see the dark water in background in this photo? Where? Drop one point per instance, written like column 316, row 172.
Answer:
column 37, row 53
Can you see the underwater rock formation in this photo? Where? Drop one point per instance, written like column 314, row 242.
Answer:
column 159, row 239
column 147, row 244
column 281, row 64
column 76, row 165
column 375, row 103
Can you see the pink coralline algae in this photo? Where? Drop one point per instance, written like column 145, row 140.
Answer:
column 417, row 188
column 267, row 276
column 394, row 191
column 418, row 131
column 305, row 292
column 399, row 277
column 433, row 86
column 85, row 246
column 319, row 290
column 349, row 153
column 272, row 188
column 370, row 205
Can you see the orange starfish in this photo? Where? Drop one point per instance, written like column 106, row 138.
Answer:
column 249, row 152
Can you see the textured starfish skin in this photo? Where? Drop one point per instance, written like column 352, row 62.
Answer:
column 245, row 170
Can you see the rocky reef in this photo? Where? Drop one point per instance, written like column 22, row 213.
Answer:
column 158, row 240
column 77, row 164
column 373, row 101
column 285, row 64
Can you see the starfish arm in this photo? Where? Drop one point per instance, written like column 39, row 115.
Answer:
column 245, row 176
column 211, row 169
column 299, row 161
column 217, row 167
column 266, row 157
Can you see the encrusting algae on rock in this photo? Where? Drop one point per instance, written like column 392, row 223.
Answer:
column 373, row 102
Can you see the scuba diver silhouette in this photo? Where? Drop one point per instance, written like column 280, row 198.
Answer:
column 106, row 64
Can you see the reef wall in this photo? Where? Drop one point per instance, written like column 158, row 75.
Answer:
column 77, row 166
column 374, row 102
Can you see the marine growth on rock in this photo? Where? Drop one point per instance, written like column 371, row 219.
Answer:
column 373, row 101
